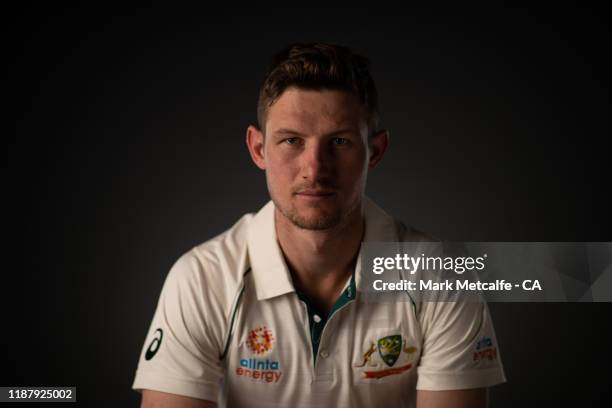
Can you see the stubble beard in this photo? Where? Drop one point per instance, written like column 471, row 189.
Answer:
column 320, row 222
column 314, row 223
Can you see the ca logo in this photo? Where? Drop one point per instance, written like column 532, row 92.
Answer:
column 154, row 346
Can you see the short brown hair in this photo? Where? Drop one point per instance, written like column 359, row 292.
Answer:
column 319, row 66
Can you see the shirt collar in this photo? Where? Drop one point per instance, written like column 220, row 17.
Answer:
column 270, row 272
column 379, row 227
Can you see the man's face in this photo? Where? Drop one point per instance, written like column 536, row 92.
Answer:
column 316, row 156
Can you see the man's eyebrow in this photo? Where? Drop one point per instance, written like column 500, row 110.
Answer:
column 285, row 131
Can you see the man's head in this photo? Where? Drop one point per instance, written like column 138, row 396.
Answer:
column 319, row 66
column 317, row 135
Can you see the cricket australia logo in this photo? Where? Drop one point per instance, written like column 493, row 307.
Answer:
column 390, row 350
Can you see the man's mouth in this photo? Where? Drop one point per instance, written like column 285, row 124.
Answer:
column 315, row 193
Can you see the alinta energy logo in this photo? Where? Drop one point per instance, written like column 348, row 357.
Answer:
column 260, row 342
column 485, row 350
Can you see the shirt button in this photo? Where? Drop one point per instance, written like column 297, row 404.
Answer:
column 324, row 353
column 316, row 318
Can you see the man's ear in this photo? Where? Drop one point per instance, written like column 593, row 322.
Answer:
column 378, row 145
column 255, row 143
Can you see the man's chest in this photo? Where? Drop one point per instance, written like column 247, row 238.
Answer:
column 361, row 352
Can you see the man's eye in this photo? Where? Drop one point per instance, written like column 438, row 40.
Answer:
column 292, row 141
column 340, row 141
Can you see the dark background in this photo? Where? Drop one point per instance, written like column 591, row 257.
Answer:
column 128, row 149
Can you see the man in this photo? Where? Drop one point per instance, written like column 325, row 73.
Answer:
column 270, row 313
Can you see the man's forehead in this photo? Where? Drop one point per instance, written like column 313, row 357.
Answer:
column 315, row 110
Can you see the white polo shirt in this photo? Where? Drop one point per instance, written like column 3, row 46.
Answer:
column 231, row 328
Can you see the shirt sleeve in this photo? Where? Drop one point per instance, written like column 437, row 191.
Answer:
column 181, row 351
column 460, row 349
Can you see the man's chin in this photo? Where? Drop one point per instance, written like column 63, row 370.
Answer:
column 317, row 222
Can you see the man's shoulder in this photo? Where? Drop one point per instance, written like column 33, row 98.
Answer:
column 216, row 265
column 386, row 227
column 407, row 233
column 227, row 246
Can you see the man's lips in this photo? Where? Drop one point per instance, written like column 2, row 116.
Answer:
column 315, row 193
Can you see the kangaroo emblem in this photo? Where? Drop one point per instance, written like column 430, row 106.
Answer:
column 367, row 356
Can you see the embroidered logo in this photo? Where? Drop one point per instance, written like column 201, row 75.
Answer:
column 367, row 357
column 155, row 343
column 390, row 349
column 485, row 350
column 260, row 340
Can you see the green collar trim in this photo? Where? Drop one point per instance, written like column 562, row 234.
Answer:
column 316, row 319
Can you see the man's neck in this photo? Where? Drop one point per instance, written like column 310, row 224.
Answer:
column 321, row 261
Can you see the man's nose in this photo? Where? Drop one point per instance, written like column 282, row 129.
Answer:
column 317, row 161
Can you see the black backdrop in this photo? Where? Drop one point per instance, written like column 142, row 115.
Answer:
column 126, row 149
